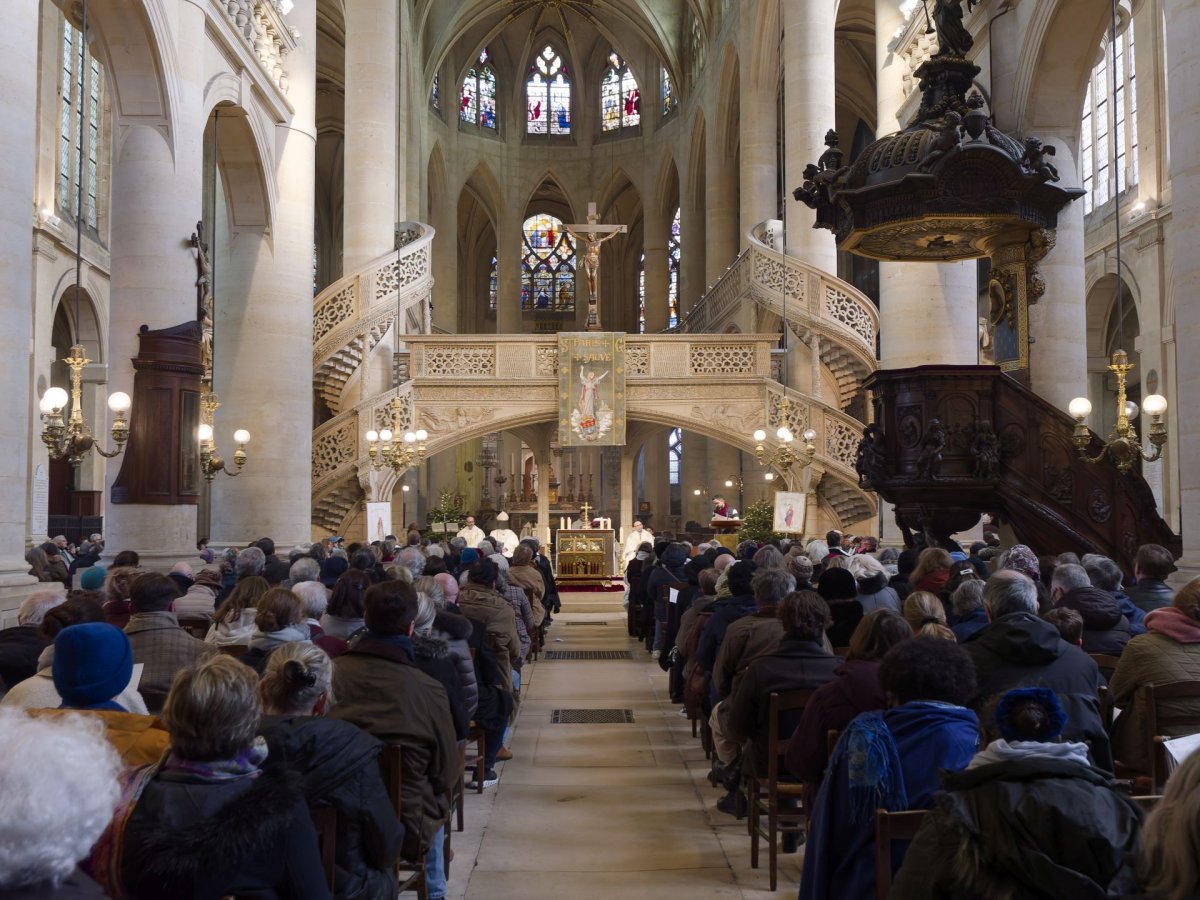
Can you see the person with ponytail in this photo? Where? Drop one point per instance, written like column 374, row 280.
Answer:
column 1028, row 817
column 338, row 766
column 926, row 616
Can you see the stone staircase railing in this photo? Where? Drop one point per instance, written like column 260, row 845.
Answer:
column 841, row 319
column 261, row 25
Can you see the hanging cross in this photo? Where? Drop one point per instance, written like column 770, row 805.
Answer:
column 590, row 237
column 586, row 510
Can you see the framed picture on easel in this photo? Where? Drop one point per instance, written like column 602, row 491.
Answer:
column 790, row 509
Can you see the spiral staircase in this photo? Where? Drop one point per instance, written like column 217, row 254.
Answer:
column 518, row 373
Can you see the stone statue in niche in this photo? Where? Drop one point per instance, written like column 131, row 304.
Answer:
column 869, row 459
column 929, row 463
column 953, row 37
column 985, row 449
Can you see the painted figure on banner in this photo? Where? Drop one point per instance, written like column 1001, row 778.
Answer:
column 592, row 418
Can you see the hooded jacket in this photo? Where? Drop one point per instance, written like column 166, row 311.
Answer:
column 338, row 766
column 1169, row 651
column 875, row 593
column 455, row 629
column 1022, row 650
column 1025, row 828
column 725, row 612
column 495, row 616
column 670, row 570
column 380, row 690
column 195, row 840
column 1105, row 628
column 432, row 656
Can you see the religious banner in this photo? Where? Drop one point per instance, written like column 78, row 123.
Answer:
column 591, row 389
column 379, row 521
column 790, row 509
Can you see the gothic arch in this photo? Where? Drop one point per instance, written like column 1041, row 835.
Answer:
column 696, row 152
column 728, row 103
column 249, row 194
column 666, row 187
column 548, row 195
column 483, row 184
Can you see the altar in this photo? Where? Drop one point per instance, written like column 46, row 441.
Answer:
column 585, row 555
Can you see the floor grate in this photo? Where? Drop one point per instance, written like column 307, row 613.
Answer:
column 587, row 654
column 589, row 623
column 591, row 717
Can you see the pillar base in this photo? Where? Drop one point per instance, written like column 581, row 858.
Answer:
column 15, row 587
column 161, row 535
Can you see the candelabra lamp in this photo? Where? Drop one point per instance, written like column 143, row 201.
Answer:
column 784, row 456
column 73, row 438
column 210, row 461
column 1122, row 445
column 383, row 451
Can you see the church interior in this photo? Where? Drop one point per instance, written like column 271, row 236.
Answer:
column 336, row 271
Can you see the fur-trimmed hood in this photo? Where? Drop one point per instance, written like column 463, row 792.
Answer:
column 456, row 627
column 429, row 647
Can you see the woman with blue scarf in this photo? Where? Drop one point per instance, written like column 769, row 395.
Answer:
column 889, row 760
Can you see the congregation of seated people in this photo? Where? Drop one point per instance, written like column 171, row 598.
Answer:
column 1002, row 691
column 207, row 726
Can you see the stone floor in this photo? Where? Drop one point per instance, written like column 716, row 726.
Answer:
column 604, row 811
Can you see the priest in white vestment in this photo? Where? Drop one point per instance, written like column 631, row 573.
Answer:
column 471, row 533
column 506, row 539
column 638, row 536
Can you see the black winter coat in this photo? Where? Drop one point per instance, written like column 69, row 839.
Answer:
column 77, row 886
column 855, row 690
column 1029, row 829
column 338, row 765
column 1105, row 628
column 670, row 569
column 432, row 656
column 846, row 615
column 1150, row 593
column 20, row 647
column 193, row 840
column 725, row 612
column 1022, row 650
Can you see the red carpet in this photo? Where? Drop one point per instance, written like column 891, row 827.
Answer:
column 588, row 588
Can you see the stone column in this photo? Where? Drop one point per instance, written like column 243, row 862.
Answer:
column 1183, row 116
column 759, row 125
column 808, row 91
column 657, row 270
column 1058, row 322
column 156, row 202
column 721, row 222
column 927, row 311
column 656, row 488
column 372, row 150
column 508, row 259
column 267, row 335
column 692, row 253
column 628, row 503
column 18, row 148
column 543, row 497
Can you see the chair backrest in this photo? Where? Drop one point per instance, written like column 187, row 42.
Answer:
column 831, row 738
column 780, row 703
column 664, row 597
column 196, row 626
column 234, row 649
column 1157, row 722
column 1148, row 802
column 324, row 819
column 390, row 765
column 155, row 700
column 891, row 826
column 1105, row 661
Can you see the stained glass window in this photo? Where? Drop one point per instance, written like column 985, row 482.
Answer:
column 71, row 142
column 620, row 99
column 547, row 265
column 674, row 248
column 493, row 284
column 674, row 455
column 478, row 103
column 669, row 101
column 642, row 295
column 435, row 93
column 548, row 95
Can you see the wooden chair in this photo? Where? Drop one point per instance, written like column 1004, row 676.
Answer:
column 1106, row 707
column 196, row 626
column 154, row 700
column 1157, row 722
column 891, row 826
column 662, row 608
column 324, row 819
column 477, row 737
column 832, row 736
column 234, row 650
column 764, row 797
column 1147, row 803
column 410, row 874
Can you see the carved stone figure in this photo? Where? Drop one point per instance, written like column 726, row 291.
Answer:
column 819, row 180
column 946, row 138
column 953, row 37
column 985, row 449
column 1035, row 161
column 204, row 298
column 869, row 460
column 929, row 463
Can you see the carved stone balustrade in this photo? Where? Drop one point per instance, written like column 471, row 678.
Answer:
column 262, row 28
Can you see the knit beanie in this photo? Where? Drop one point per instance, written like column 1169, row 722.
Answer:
column 837, row 584
column 1023, row 560
column 740, row 575
column 1054, row 716
column 468, row 557
column 92, row 578
column 93, row 662
column 332, row 569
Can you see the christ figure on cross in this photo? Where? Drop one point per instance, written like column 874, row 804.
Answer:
column 590, row 237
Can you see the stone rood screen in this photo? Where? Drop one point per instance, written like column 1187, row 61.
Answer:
column 591, row 389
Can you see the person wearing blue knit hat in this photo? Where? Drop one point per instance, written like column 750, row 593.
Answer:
column 1028, row 817
column 92, row 664
column 92, row 578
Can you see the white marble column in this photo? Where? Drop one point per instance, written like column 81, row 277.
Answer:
column 1183, row 116
column 156, row 202
column 721, row 220
column 692, row 284
column 808, row 113
column 759, row 126
column 543, row 497
column 267, row 336
column 657, row 273
column 1058, row 322
column 372, row 150
column 927, row 311
column 18, row 147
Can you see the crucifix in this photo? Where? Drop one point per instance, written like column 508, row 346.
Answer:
column 590, row 237
column 586, row 510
